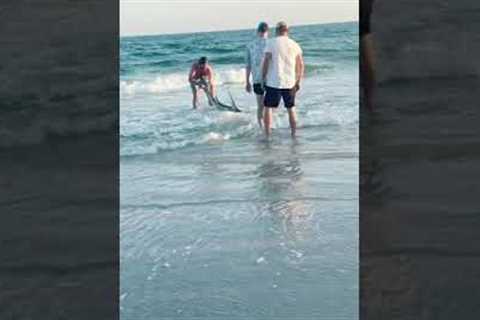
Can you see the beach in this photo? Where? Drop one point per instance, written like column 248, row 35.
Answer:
column 215, row 221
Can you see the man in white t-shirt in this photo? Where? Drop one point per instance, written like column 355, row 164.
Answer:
column 282, row 72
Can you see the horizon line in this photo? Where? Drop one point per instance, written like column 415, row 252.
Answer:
column 242, row 29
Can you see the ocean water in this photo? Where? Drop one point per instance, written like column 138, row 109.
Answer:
column 216, row 222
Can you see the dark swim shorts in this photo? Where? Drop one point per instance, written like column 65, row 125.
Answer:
column 365, row 13
column 258, row 89
column 274, row 95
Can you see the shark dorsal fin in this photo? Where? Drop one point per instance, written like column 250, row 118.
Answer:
column 232, row 100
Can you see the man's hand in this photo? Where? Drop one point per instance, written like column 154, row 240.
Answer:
column 297, row 86
column 263, row 84
column 248, row 87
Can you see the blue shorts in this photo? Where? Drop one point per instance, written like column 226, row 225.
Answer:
column 274, row 95
column 258, row 89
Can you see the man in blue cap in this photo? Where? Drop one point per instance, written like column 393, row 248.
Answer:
column 254, row 57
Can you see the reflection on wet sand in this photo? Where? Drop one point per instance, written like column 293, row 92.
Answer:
column 281, row 187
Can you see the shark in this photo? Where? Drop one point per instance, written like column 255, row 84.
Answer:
column 202, row 83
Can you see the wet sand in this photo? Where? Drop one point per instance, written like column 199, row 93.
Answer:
column 242, row 229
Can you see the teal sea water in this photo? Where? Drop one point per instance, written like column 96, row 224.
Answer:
column 216, row 222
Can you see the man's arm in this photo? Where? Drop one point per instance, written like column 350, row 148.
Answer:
column 211, row 82
column 248, row 71
column 265, row 65
column 299, row 70
column 190, row 75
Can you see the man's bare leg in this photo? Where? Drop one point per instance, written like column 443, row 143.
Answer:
column 259, row 109
column 292, row 118
column 195, row 96
column 209, row 96
column 267, row 120
column 212, row 94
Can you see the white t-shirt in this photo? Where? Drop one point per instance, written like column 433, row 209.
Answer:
column 281, row 71
column 254, row 58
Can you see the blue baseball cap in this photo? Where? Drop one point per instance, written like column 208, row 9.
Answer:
column 262, row 27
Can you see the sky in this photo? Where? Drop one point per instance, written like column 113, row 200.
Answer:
column 145, row 17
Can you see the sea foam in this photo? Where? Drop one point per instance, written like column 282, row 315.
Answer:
column 177, row 81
